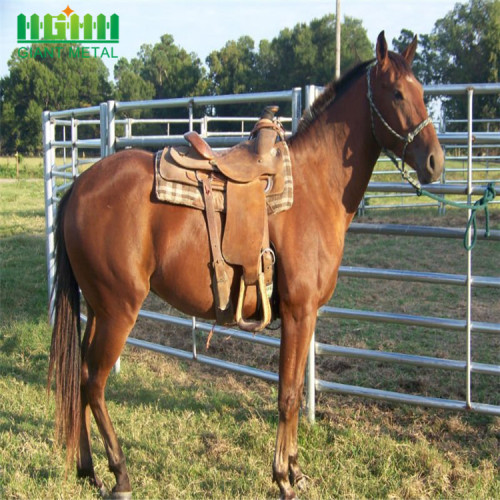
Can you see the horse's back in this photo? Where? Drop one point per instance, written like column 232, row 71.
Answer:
column 127, row 169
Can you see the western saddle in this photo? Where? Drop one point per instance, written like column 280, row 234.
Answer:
column 238, row 181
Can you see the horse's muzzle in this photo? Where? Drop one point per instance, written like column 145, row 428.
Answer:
column 430, row 166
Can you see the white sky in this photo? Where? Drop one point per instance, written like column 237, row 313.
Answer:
column 201, row 26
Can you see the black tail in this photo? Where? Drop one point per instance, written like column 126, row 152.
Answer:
column 65, row 349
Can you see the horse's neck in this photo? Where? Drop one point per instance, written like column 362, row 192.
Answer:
column 335, row 156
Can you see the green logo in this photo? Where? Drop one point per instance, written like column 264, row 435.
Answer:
column 67, row 27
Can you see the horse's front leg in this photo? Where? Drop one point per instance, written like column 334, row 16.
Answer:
column 297, row 327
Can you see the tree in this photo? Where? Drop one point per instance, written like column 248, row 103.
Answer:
column 172, row 71
column 298, row 56
column 467, row 41
column 306, row 54
column 45, row 82
column 232, row 69
column 130, row 85
column 160, row 71
column 463, row 47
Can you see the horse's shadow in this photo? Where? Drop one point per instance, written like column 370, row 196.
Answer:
column 184, row 397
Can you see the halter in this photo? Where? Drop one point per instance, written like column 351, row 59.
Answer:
column 405, row 139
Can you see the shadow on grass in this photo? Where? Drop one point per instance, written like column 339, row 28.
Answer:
column 204, row 392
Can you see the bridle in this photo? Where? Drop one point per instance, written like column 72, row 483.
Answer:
column 408, row 139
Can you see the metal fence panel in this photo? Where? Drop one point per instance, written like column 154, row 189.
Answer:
column 58, row 177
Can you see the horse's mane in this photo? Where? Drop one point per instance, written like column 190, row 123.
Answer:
column 335, row 89
column 332, row 92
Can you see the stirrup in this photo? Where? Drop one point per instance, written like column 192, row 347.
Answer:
column 254, row 325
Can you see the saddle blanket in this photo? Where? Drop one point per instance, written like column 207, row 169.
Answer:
column 178, row 193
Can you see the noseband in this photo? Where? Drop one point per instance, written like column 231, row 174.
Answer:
column 408, row 139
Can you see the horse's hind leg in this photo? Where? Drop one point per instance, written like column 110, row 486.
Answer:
column 104, row 349
column 85, row 465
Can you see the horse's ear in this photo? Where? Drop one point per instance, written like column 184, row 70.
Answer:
column 409, row 52
column 382, row 51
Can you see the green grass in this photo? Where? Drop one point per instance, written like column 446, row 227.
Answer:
column 193, row 432
column 25, row 167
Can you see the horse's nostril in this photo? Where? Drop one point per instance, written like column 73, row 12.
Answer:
column 432, row 163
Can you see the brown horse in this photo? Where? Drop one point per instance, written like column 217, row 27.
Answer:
column 116, row 242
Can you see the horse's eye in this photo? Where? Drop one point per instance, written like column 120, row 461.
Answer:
column 398, row 95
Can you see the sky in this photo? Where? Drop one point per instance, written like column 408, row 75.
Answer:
column 201, row 26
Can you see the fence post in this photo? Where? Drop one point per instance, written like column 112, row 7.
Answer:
column 48, row 163
column 470, row 95
column 74, row 149
column 310, row 96
column 190, row 110
column 311, row 381
column 296, row 107
column 111, row 127
column 103, row 128
column 204, row 126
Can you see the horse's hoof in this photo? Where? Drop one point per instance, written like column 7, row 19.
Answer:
column 289, row 494
column 103, row 491
column 301, row 482
column 119, row 495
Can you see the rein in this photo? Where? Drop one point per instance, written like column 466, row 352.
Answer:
column 481, row 204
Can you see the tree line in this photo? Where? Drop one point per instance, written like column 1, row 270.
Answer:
column 464, row 46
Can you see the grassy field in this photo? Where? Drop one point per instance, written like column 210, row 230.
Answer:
column 24, row 167
column 193, row 432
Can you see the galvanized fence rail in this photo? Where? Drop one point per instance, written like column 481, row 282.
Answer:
column 107, row 116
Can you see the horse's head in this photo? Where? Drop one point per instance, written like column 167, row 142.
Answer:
column 399, row 118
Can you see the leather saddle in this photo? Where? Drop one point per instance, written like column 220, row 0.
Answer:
column 235, row 181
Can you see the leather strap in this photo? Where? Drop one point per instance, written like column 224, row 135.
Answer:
column 264, row 286
column 268, row 259
column 264, row 123
column 222, row 284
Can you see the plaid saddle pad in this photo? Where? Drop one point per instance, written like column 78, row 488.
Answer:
column 177, row 192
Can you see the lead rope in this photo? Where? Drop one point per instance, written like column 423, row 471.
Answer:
column 481, row 204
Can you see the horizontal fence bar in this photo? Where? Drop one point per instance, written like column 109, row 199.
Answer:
column 409, row 320
column 207, row 360
column 188, row 323
column 418, row 276
column 162, row 141
column 408, row 359
column 284, row 95
column 400, row 187
column 69, row 113
column 62, row 168
column 404, row 204
column 134, row 121
column 79, row 143
column 64, row 186
column 63, row 175
column 396, row 397
column 453, row 138
column 153, row 103
column 462, row 88
column 424, row 231
column 206, row 100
